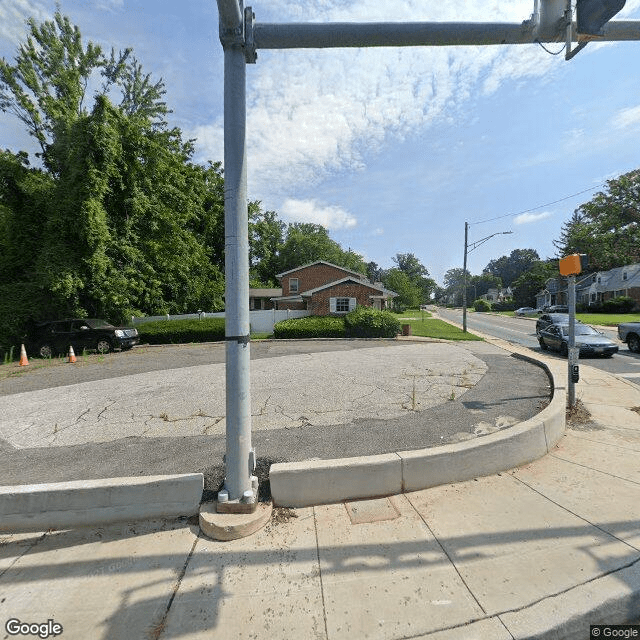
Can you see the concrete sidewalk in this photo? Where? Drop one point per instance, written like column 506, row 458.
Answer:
column 537, row 552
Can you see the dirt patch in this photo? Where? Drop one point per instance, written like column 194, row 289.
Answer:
column 579, row 418
column 282, row 515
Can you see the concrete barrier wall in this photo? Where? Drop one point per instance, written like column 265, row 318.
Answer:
column 63, row 505
column 302, row 484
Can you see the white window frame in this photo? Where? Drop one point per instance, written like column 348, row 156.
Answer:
column 292, row 288
column 333, row 304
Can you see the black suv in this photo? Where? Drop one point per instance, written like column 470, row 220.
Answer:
column 50, row 338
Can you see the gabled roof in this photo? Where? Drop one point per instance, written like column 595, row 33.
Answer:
column 363, row 283
column 329, row 264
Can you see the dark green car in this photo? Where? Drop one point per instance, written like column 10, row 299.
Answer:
column 91, row 334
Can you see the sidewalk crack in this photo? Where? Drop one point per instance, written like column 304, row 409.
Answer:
column 24, row 553
column 158, row 629
column 324, row 607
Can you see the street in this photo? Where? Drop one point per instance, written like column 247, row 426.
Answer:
column 522, row 331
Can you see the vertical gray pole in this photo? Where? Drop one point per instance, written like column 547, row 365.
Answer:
column 464, row 279
column 571, row 359
column 239, row 458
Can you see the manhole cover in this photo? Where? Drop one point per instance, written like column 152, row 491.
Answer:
column 377, row 510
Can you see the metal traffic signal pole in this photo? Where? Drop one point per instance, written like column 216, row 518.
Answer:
column 240, row 39
column 240, row 487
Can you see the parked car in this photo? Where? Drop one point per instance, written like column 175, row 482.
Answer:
column 547, row 319
column 587, row 339
column 629, row 332
column 526, row 311
column 55, row 337
column 556, row 308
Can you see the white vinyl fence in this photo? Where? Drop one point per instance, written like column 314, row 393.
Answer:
column 260, row 321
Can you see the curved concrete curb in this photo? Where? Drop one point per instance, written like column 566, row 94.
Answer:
column 310, row 483
column 63, row 505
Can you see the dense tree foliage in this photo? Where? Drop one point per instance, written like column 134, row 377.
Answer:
column 118, row 220
column 510, row 268
column 607, row 228
column 532, row 282
column 306, row 243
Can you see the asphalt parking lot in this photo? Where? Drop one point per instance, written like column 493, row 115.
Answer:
column 160, row 410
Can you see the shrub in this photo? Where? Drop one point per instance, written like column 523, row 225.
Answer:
column 481, row 305
column 310, row 327
column 364, row 322
column 504, row 305
column 180, row 331
column 622, row 304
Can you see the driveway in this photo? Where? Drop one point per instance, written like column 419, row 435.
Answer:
column 158, row 410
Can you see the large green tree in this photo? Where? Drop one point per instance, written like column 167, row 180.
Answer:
column 528, row 284
column 306, row 242
column 510, row 268
column 118, row 220
column 607, row 228
column 417, row 273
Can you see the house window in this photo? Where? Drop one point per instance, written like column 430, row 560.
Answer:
column 341, row 305
column 624, row 275
column 293, row 285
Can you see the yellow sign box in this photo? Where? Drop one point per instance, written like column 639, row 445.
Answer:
column 570, row 266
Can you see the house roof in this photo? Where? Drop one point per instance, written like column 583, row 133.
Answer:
column 369, row 285
column 613, row 280
column 264, row 293
column 329, row 264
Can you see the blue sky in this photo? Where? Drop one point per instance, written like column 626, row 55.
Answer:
column 391, row 149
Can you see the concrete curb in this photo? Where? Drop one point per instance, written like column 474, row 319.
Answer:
column 311, row 483
column 63, row 505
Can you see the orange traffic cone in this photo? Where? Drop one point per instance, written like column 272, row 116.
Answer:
column 23, row 356
column 72, row 356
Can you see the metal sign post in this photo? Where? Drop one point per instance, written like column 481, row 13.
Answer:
column 573, row 353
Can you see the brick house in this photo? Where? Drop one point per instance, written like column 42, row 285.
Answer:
column 323, row 288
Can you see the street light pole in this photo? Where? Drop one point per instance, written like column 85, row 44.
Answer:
column 474, row 245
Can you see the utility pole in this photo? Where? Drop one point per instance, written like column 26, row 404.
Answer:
column 474, row 245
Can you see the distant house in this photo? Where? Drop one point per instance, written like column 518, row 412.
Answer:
column 594, row 288
column 497, row 295
column 261, row 299
column 323, row 288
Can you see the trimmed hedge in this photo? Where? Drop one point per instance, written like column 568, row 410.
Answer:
column 181, row 331
column 364, row 322
column 481, row 305
column 310, row 327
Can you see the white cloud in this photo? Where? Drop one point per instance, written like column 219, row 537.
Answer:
column 313, row 113
column 14, row 13
column 528, row 218
column 330, row 217
column 627, row 118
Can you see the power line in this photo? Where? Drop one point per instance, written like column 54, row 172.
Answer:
column 548, row 204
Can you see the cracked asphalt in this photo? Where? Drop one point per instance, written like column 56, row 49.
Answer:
column 160, row 410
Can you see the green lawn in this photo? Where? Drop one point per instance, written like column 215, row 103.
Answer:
column 607, row 319
column 424, row 325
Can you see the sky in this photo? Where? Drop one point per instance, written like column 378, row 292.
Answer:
column 391, row 149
